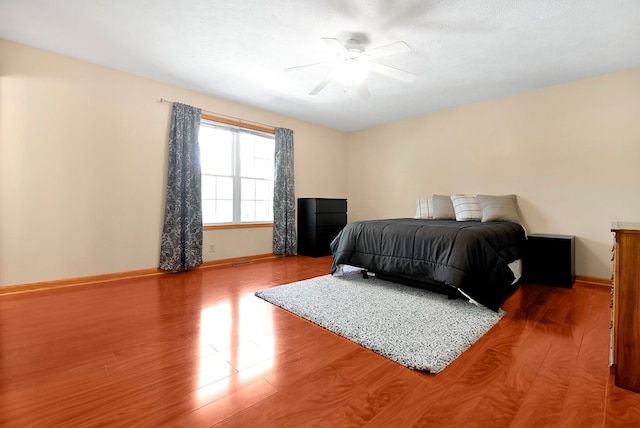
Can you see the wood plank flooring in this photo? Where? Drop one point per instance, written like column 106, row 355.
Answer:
column 198, row 349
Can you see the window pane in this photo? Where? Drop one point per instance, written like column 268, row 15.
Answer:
column 208, row 211
column 264, row 190
column 247, row 145
column 216, row 151
column 248, row 209
column 208, row 187
column 225, row 188
column 247, row 167
column 266, row 148
column 264, row 168
column 256, row 156
column 248, row 191
column 224, row 211
column 264, row 212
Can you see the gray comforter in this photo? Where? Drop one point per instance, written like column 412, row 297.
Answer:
column 470, row 256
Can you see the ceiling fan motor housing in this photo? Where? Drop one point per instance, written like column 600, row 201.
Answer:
column 353, row 46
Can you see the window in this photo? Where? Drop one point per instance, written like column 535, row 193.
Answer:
column 237, row 174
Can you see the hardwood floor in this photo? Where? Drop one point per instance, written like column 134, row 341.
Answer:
column 198, row 349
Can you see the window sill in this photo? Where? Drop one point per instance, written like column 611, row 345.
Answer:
column 235, row 226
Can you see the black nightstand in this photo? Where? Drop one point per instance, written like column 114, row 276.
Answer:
column 550, row 259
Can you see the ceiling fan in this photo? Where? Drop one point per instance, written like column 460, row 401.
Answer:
column 354, row 62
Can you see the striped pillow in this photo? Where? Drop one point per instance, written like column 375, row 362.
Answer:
column 424, row 208
column 467, row 208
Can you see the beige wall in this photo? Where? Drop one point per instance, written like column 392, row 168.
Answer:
column 571, row 153
column 83, row 158
column 83, row 152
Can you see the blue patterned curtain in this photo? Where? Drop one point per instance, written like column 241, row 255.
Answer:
column 181, row 246
column 284, row 207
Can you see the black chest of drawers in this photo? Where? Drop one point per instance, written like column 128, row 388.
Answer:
column 319, row 221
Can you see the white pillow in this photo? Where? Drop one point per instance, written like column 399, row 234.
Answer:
column 424, row 208
column 443, row 208
column 467, row 208
column 500, row 208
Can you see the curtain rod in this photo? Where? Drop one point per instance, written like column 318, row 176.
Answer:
column 249, row 122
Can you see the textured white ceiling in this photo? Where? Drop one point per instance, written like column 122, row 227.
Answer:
column 463, row 51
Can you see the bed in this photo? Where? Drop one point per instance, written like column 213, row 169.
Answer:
column 473, row 259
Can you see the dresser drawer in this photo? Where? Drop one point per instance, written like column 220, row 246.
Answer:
column 331, row 219
column 329, row 205
column 324, row 236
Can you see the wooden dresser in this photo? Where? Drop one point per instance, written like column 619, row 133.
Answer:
column 626, row 305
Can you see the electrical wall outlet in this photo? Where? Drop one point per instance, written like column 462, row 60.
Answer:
column 212, row 248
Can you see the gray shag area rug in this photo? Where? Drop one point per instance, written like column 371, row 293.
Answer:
column 417, row 328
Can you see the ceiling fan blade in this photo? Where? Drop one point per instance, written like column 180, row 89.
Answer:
column 300, row 67
column 320, row 86
column 363, row 90
column 386, row 50
column 335, row 45
column 395, row 73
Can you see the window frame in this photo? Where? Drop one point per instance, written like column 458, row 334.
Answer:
column 248, row 126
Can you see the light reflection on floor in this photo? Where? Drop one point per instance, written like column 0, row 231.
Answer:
column 236, row 345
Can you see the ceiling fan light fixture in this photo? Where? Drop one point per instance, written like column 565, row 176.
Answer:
column 352, row 71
